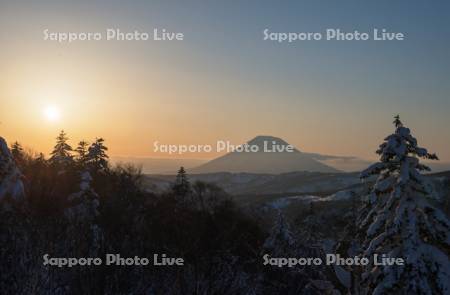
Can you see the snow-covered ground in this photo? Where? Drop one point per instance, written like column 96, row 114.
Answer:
column 284, row 202
column 251, row 183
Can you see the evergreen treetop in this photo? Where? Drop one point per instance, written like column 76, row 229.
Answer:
column 97, row 157
column 398, row 221
column 82, row 152
column 61, row 154
column 182, row 186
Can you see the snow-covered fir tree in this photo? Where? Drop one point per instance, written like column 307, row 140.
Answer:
column 281, row 241
column 15, row 250
column 83, row 237
column 82, row 215
column 310, row 227
column 61, row 154
column 10, row 177
column 298, row 280
column 398, row 221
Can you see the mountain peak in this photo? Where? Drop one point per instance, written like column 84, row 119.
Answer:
column 264, row 162
column 269, row 140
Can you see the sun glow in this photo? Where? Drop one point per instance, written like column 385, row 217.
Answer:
column 52, row 113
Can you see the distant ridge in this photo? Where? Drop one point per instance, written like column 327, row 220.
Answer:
column 264, row 162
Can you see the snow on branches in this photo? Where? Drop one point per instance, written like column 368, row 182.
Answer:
column 398, row 221
column 10, row 177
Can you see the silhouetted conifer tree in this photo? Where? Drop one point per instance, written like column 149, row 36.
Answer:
column 17, row 152
column 97, row 157
column 61, row 154
column 182, row 186
column 82, row 153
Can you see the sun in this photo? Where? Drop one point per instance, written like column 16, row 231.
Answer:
column 52, row 113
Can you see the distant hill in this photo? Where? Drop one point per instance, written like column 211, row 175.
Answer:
column 262, row 184
column 253, row 185
column 263, row 161
column 271, row 163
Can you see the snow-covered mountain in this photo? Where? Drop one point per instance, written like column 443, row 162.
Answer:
column 265, row 160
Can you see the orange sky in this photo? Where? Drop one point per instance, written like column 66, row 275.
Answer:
column 131, row 107
column 320, row 97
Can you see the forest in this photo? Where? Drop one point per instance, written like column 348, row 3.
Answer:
column 76, row 204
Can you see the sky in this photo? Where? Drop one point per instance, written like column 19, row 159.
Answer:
column 223, row 81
